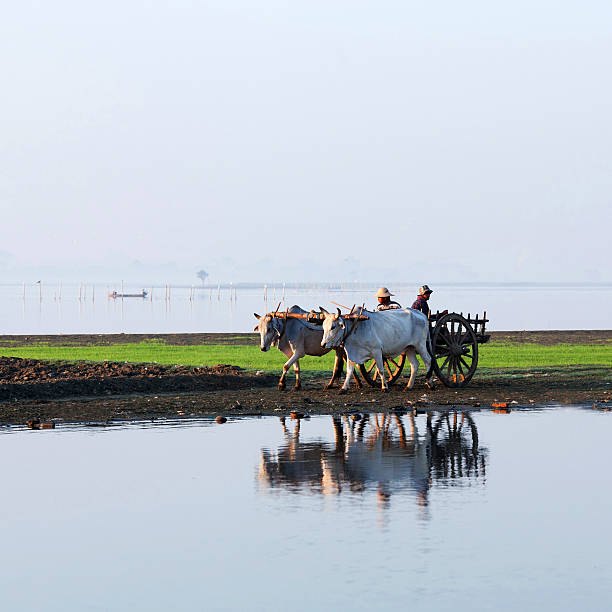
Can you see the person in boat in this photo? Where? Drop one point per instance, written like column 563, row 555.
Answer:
column 384, row 300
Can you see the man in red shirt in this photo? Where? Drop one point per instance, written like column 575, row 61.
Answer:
column 421, row 302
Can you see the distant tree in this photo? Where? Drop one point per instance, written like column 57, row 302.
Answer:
column 202, row 275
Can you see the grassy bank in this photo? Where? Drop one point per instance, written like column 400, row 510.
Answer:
column 493, row 355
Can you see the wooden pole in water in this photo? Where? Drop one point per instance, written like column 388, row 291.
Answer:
column 210, row 295
column 40, row 290
column 59, row 292
column 218, row 291
column 122, row 290
column 151, row 294
column 23, row 292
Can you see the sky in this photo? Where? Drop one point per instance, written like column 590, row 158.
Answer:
column 285, row 141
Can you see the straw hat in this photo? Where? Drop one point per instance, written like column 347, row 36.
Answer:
column 424, row 290
column 383, row 292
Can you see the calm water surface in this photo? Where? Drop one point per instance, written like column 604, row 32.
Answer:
column 472, row 511
column 75, row 309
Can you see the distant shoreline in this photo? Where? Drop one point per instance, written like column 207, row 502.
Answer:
column 341, row 286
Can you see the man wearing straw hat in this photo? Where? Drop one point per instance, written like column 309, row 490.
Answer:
column 384, row 300
column 421, row 302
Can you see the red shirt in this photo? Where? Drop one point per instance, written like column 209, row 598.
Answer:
column 421, row 304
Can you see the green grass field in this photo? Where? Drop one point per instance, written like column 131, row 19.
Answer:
column 494, row 355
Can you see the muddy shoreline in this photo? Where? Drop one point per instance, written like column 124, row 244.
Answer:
column 545, row 337
column 83, row 392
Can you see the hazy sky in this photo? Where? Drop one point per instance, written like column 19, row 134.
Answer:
column 288, row 140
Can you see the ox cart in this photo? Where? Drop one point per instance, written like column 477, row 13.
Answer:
column 453, row 350
column 454, row 341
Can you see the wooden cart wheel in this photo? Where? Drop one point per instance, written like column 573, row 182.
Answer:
column 393, row 370
column 455, row 350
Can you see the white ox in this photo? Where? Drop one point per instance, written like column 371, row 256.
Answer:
column 295, row 338
column 384, row 334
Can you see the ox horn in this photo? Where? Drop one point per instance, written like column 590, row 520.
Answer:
column 256, row 315
column 323, row 310
column 339, row 314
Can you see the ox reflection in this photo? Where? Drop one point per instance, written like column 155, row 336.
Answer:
column 385, row 453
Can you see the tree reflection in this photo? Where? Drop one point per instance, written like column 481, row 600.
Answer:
column 381, row 452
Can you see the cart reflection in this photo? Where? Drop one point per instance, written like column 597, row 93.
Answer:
column 382, row 452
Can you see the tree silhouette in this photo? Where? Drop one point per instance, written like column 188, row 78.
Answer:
column 202, row 275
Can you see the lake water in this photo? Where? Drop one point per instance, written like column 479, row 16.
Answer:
column 86, row 309
column 475, row 511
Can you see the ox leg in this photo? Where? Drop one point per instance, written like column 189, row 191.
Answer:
column 380, row 364
column 296, row 369
column 281, row 380
column 293, row 359
column 357, row 379
column 414, row 367
column 338, row 367
column 350, row 367
column 338, row 363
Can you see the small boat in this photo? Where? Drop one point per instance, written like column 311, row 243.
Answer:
column 115, row 295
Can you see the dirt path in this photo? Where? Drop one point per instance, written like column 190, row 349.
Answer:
column 100, row 392
column 242, row 394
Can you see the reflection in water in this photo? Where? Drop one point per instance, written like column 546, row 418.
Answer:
column 382, row 452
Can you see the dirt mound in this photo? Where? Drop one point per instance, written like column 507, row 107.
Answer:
column 31, row 378
column 15, row 369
